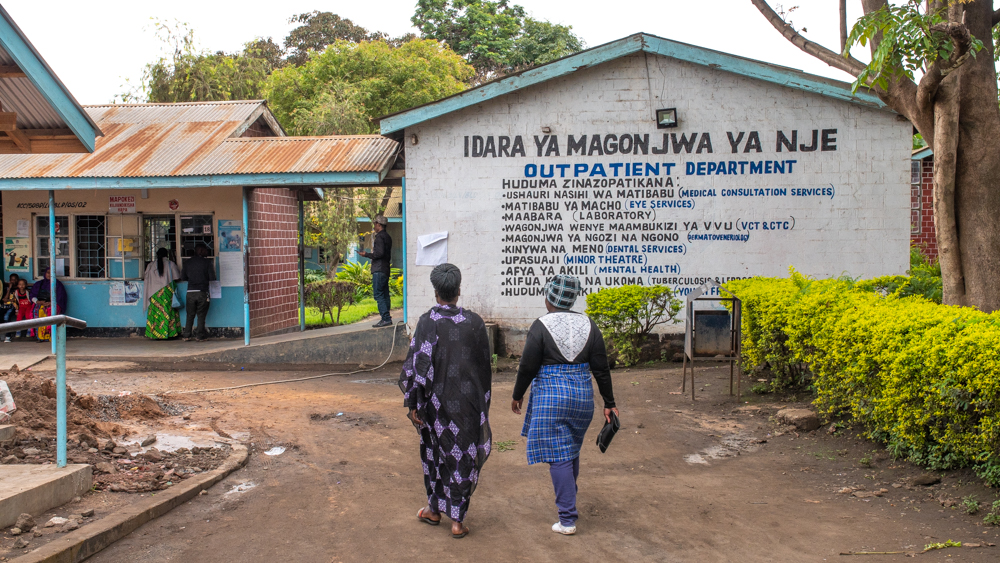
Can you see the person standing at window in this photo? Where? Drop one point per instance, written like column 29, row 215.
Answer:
column 163, row 321
column 380, row 253
column 199, row 270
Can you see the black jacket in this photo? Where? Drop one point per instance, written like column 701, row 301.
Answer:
column 540, row 349
column 381, row 253
column 198, row 272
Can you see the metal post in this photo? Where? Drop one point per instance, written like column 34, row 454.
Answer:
column 302, row 262
column 246, row 268
column 406, row 279
column 52, row 266
column 59, row 337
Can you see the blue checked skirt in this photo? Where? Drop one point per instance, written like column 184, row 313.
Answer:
column 560, row 408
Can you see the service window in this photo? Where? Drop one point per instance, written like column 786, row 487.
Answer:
column 43, row 256
column 124, row 246
column 91, row 252
column 195, row 230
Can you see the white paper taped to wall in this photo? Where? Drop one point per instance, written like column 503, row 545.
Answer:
column 432, row 249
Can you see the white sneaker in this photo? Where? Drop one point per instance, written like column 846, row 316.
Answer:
column 564, row 530
column 7, row 339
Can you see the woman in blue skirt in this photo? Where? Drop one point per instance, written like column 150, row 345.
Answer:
column 562, row 350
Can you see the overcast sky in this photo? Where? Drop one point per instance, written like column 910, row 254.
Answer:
column 94, row 46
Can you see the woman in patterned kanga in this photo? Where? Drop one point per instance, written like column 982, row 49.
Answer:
column 561, row 351
column 446, row 385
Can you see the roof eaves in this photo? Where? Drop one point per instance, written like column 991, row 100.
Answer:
column 17, row 45
column 922, row 153
column 759, row 70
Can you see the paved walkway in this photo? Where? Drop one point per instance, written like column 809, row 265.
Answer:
column 137, row 348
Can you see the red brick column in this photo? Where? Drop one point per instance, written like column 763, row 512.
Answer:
column 923, row 233
column 274, row 264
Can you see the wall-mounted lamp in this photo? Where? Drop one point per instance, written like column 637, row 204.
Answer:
column 546, row 130
column 413, row 139
column 666, row 118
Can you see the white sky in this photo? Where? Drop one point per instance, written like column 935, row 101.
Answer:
column 94, row 46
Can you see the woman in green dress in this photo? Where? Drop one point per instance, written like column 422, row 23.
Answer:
column 162, row 319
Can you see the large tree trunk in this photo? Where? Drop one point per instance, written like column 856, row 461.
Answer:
column 977, row 174
column 956, row 99
column 945, row 145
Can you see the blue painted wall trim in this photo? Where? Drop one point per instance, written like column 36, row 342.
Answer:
column 51, row 88
column 247, row 180
column 389, row 219
column 922, row 154
column 788, row 77
column 89, row 301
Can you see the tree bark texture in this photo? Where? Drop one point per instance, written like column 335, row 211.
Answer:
column 956, row 111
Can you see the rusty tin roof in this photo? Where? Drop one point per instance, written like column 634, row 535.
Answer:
column 199, row 139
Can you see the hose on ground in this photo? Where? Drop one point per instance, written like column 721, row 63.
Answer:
column 296, row 380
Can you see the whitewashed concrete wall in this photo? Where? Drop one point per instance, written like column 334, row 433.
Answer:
column 855, row 220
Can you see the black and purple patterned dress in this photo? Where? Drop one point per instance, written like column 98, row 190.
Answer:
column 447, row 378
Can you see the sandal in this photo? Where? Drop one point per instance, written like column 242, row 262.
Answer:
column 426, row 520
column 465, row 532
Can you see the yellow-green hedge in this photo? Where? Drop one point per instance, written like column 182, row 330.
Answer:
column 923, row 378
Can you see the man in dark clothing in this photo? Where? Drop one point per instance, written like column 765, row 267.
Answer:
column 198, row 272
column 380, row 253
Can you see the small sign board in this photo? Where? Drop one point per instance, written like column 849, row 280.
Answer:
column 122, row 203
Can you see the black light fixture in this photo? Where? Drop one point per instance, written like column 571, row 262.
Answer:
column 666, row 118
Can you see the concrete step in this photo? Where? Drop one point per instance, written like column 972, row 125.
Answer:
column 37, row 488
column 7, row 432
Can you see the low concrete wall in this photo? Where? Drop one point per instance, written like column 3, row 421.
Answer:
column 369, row 347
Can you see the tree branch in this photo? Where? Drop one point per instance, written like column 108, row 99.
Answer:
column 849, row 65
column 931, row 81
column 996, row 18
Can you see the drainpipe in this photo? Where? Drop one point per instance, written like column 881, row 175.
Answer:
column 302, row 262
column 406, row 279
column 246, row 267
column 52, row 266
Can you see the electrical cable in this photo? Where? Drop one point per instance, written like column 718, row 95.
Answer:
column 311, row 377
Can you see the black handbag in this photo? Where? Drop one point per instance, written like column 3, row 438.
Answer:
column 608, row 432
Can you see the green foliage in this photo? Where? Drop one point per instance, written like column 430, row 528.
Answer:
column 370, row 79
column 189, row 74
column 316, row 276
column 992, row 518
column 360, row 274
column 505, row 446
column 970, row 504
column 330, row 225
column 924, row 280
column 495, row 36
column 327, row 295
column 941, row 545
column 628, row 313
column 352, row 313
column 320, row 29
column 919, row 376
column 543, row 42
column 908, row 43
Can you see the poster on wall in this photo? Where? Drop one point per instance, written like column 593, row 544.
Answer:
column 230, row 236
column 231, row 269
column 16, row 255
column 22, row 228
column 124, row 293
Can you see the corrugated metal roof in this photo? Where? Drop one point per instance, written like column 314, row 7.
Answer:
column 261, row 155
column 194, row 139
column 20, row 95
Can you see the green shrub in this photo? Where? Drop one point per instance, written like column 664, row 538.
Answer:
column 315, row 276
column 328, row 295
column 924, row 279
column 923, row 378
column 360, row 274
column 628, row 313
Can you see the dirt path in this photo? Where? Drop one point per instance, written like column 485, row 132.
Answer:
column 682, row 482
